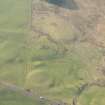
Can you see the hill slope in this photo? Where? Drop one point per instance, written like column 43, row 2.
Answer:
column 55, row 51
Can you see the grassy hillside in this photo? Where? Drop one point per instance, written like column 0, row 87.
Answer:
column 14, row 16
column 8, row 97
column 49, row 58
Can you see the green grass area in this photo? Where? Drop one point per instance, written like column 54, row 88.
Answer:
column 93, row 96
column 36, row 64
column 8, row 97
column 13, row 15
column 60, row 77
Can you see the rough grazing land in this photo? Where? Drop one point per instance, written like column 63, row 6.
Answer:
column 51, row 54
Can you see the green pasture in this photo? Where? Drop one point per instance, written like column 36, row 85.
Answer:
column 36, row 65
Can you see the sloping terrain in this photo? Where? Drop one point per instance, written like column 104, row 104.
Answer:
column 81, row 33
column 52, row 53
